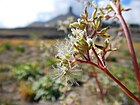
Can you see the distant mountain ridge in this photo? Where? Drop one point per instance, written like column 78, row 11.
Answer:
column 53, row 22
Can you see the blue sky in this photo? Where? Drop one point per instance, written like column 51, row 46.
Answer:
column 19, row 13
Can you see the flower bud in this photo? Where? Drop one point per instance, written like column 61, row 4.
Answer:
column 86, row 12
column 105, row 35
column 94, row 13
column 104, row 30
column 74, row 25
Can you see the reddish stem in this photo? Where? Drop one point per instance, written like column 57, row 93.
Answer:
column 122, row 87
column 88, row 56
column 100, row 61
column 104, row 69
column 94, row 33
column 129, row 42
column 88, row 62
column 95, row 75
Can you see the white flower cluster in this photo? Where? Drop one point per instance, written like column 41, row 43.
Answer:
column 81, row 46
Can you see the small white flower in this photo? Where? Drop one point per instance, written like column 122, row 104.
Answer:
column 90, row 41
column 76, row 36
column 67, row 75
column 65, row 50
column 77, row 33
column 72, row 39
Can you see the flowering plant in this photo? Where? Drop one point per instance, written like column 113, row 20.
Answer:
column 82, row 45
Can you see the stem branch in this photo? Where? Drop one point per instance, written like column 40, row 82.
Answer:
column 123, row 87
column 95, row 75
column 129, row 42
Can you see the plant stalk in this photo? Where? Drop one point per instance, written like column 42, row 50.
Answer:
column 105, row 70
column 95, row 75
column 129, row 43
column 130, row 94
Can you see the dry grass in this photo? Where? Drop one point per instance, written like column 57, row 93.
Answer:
column 25, row 41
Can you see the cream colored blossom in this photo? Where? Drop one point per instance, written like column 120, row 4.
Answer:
column 67, row 75
column 65, row 50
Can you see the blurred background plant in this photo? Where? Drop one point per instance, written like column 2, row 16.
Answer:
column 27, row 71
column 36, row 85
column 47, row 88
